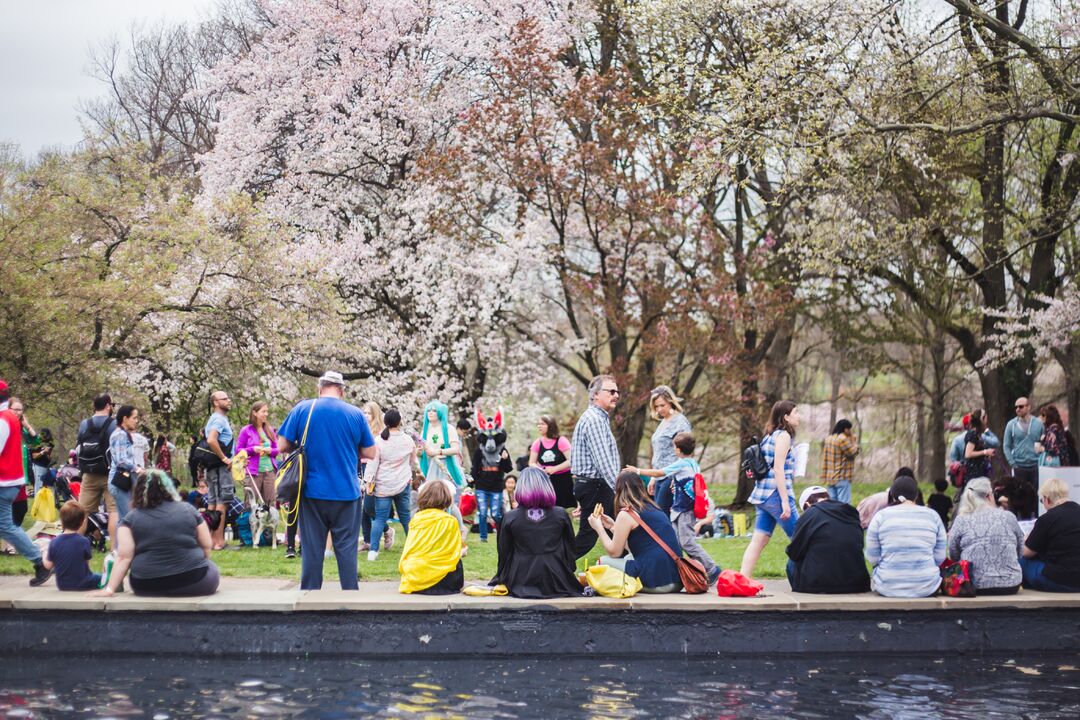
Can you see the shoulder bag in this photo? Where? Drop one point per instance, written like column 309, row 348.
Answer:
column 291, row 475
column 691, row 572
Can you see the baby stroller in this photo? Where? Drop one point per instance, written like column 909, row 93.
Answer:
column 97, row 529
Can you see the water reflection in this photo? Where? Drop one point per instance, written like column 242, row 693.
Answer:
column 868, row 687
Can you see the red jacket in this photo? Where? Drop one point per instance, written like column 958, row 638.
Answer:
column 11, row 459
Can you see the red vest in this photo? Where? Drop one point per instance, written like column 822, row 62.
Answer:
column 11, row 459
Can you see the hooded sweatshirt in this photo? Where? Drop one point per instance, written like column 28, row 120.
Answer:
column 827, row 551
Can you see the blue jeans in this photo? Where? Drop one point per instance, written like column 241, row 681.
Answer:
column 339, row 518
column 1034, row 578
column 841, row 491
column 122, row 498
column 488, row 503
column 382, row 515
column 15, row 535
column 664, row 497
column 768, row 515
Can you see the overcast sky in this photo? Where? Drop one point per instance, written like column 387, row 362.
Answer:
column 44, row 48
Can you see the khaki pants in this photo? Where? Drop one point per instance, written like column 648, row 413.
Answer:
column 263, row 484
column 93, row 489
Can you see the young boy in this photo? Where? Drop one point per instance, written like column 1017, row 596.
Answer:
column 69, row 553
column 682, row 472
column 939, row 501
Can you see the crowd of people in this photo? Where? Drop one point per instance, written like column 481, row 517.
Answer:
column 362, row 468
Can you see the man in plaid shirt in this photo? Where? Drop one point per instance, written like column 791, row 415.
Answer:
column 838, row 461
column 594, row 459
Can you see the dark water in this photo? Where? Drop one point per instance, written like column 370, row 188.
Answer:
column 858, row 687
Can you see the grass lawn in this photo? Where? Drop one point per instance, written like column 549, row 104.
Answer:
column 482, row 559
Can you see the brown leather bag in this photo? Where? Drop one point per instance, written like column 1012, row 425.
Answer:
column 695, row 580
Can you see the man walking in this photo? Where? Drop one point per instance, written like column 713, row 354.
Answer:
column 594, row 459
column 219, row 480
column 337, row 436
column 838, row 461
column 92, row 444
column 1021, row 434
column 12, row 478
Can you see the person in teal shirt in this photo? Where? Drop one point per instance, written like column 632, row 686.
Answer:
column 1021, row 434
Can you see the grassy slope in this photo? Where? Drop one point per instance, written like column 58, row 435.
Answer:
column 482, row 558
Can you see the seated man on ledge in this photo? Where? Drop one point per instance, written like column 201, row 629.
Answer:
column 1051, row 559
column 826, row 551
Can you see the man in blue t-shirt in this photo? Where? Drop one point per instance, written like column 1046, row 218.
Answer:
column 219, row 480
column 338, row 435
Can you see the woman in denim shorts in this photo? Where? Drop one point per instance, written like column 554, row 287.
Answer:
column 774, row 497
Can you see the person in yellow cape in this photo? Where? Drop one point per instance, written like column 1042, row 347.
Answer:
column 431, row 561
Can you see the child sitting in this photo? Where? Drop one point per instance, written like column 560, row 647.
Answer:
column 682, row 472
column 69, row 553
column 939, row 501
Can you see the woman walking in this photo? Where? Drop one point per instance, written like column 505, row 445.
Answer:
column 773, row 495
column 389, row 477
column 122, row 468
column 667, row 408
column 259, row 440
column 551, row 453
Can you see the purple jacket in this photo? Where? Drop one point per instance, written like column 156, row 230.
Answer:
column 248, row 439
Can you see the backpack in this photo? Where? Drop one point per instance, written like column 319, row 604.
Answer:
column 753, row 464
column 701, row 505
column 93, row 448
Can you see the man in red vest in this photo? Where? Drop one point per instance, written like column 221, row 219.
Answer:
column 12, row 478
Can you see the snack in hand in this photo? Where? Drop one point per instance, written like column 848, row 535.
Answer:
column 598, row 511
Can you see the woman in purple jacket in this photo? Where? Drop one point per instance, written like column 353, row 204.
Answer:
column 260, row 442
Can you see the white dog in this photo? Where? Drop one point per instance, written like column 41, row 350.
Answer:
column 263, row 516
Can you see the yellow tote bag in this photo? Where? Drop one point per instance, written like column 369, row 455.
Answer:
column 611, row 582
column 44, row 509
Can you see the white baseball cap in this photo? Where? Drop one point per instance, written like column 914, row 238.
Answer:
column 809, row 493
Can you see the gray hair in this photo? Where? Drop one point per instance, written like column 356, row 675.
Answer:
column 976, row 492
column 597, row 383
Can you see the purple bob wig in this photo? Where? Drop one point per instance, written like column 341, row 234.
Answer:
column 534, row 489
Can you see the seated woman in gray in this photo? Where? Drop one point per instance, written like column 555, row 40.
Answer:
column 989, row 538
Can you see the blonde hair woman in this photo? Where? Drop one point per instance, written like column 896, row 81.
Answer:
column 666, row 407
column 1051, row 559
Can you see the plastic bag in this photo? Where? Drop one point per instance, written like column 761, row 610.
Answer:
column 239, row 466
column 612, row 582
column 44, row 509
column 485, row 590
column 733, row 584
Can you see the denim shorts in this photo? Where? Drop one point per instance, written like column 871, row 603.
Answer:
column 768, row 515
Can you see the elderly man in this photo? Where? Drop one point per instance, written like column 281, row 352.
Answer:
column 594, row 458
column 337, row 436
column 1021, row 434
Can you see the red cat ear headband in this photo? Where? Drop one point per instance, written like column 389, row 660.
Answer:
column 966, row 420
column 482, row 422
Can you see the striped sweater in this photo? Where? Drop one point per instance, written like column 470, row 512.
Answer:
column 906, row 544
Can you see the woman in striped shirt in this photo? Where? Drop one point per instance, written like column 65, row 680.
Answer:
column 906, row 544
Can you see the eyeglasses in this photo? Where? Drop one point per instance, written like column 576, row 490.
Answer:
column 610, row 391
column 1021, row 407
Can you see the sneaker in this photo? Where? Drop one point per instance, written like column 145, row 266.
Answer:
column 41, row 574
column 290, row 554
column 373, row 555
column 713, row 575
column 483, row 540
column 388, row 538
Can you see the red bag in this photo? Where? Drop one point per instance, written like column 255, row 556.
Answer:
column 467, row 505
column 956, row 579
column 701, row 506
column 733, row 584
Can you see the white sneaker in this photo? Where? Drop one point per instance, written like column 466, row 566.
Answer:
column 373, row 555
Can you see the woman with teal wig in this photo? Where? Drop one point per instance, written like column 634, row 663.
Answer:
column 439, row 460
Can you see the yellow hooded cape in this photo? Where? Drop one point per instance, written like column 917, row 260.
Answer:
column 432, row 550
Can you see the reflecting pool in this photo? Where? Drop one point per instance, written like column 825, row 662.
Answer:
column 856, row 687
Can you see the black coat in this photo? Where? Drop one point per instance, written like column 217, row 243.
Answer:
column 827, row 551
column 536, row 554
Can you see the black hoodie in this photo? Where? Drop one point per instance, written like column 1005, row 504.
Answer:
column 827, row 551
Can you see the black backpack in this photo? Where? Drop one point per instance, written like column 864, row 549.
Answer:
column 753, row 464
column 94, row 447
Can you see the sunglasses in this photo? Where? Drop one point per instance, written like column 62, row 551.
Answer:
column 612, row 392
column 1020, row 407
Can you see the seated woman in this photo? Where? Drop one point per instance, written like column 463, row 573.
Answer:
column 164, row 542
column 430, row 564
column 987, row 537
column 905, row 543
column 1051, row 559
column 648, row 562
column 536, row 543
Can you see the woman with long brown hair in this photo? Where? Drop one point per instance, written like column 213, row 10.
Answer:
column 649, row 563
column 773, row 495
column 1053, row 446
column 551, row 453
column 259, row 439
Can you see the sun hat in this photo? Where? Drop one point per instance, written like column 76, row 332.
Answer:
column 332, row 377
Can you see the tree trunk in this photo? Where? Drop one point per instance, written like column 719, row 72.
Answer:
column 938, row 451
column 747, row 429
column 921, row 460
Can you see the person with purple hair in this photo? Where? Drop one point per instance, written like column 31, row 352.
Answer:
column 536, row 543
